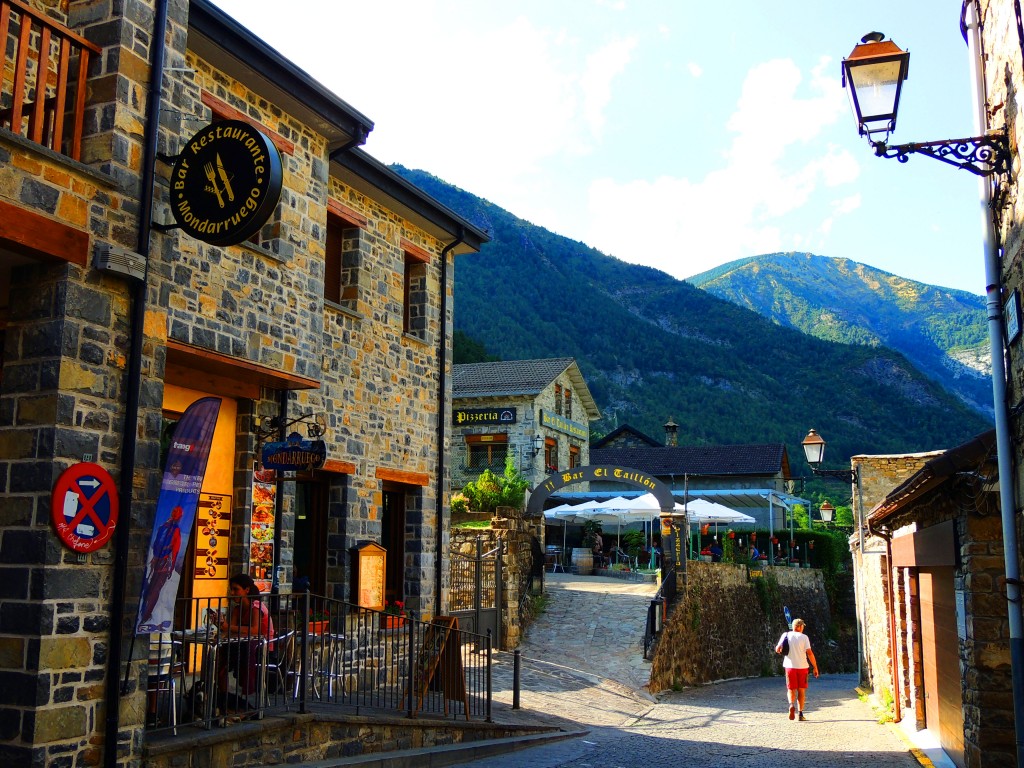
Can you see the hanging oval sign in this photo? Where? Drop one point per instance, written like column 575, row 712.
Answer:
column 294, row 454
column 226, row 183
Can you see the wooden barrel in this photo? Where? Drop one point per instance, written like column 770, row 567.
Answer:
column 583, row 560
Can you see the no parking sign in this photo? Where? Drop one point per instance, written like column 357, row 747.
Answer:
column 84, row 507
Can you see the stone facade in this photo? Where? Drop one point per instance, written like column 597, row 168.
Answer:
column 247, row 322
column 561, row 447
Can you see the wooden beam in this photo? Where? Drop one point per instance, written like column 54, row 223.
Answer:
column 415, row 252
column 31, row 234
column 225, row 111
column 231, row 376
column 402, row 476
column 350, row 216
column 338, row 467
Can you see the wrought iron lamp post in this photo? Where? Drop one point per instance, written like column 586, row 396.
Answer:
column 874, row 74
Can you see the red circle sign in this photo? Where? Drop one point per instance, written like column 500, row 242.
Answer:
column 84, row 507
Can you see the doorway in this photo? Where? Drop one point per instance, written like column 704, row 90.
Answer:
column 393, row 540
column 310, row 545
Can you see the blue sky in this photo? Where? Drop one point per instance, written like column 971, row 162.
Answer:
column 680, row 135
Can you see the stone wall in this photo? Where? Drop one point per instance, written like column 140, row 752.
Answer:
column 724, row 626
column 517, row 534
column 307, row 739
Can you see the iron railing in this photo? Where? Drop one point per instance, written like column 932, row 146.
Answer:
column 42, row 84
column 321, row 654
column 657, row 611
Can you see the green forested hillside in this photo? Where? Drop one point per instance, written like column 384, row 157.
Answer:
column 653, row 347
column 943, row 332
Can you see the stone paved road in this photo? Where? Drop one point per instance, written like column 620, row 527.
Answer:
column 578, row 672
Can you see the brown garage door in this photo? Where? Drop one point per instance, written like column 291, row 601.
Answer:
column 940, row 653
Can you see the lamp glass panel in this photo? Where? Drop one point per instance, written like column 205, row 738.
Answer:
column 814, row 451
column 877, row 87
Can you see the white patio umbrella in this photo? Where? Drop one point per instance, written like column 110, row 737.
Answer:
column 704, row 511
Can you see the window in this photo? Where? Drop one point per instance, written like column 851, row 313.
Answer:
column 343, row 256
column 558, row 399
column 414, row 293
column 486, row 451
column 551, row 455
column 574, row 456
column 568, row 403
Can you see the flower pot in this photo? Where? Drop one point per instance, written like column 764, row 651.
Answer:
column 393, row 622
column 317, row 627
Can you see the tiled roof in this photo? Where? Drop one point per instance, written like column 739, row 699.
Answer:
column 758, row 459
column 507, row 377
column 627, row 430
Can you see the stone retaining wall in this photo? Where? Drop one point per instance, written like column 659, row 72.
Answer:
column 724, row 626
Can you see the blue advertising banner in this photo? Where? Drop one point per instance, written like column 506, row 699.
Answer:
column 175, row 513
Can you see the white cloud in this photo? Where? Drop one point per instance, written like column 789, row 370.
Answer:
column 773, row 168
column 694, row 69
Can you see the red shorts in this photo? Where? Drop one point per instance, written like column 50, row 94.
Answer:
column 796, row 678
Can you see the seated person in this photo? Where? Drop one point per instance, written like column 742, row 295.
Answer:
column 754, row 554
column 246, row 623
column 716, row 551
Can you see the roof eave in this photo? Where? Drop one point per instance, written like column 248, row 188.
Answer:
column 368, row 175
column 243, row 56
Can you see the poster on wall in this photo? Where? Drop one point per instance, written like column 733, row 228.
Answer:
column 261, row 528
column 175, row 513
column 213, row 531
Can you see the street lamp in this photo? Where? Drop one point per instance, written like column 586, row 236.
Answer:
column 826, row 510
column 874, row 73
column 814, row 451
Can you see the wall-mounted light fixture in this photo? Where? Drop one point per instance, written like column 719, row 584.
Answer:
column 827, row 511
column 538, row 444
column 874, row 74
column 814, row 451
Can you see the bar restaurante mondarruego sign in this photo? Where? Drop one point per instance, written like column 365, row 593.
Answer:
column 226, row 183
column 294, row 454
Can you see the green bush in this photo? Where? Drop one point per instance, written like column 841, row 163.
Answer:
column 490, row 491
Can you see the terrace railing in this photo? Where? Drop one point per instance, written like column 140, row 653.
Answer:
column 323, row 655
column 42, row 87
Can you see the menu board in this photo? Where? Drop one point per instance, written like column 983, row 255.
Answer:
column 261, row 528
column 213, row 528
column 369, row 576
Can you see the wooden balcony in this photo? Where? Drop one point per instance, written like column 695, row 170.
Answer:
column 42, row 87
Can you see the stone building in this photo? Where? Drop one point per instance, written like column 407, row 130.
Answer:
column 325, row 314
column 537, row 411
column 754, row 479
column 930, row 586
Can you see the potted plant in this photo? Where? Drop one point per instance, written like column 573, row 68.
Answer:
column 318, row 621
column 394, row 614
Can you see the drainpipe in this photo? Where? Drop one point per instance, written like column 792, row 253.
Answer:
column 1004, row 452
column 442, row 383
column 133, row 382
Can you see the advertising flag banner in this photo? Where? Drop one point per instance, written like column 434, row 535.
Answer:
column 175, row 513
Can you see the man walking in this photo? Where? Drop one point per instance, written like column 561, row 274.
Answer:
column 796, row 666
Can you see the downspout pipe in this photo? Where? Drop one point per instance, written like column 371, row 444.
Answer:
column 442, row 384
column 1004, row 453
column 133, row 381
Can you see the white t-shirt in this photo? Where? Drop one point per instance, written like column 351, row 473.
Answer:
column 799, row 645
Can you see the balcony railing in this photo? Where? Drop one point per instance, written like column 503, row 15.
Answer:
column 322, row 655
column 42, row 89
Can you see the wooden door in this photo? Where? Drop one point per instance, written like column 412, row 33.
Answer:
column 941, row 660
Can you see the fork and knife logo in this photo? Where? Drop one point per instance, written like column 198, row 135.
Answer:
column 224, row 185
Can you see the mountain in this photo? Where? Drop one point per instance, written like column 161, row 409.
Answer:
column 654, row 347
column 943, row 332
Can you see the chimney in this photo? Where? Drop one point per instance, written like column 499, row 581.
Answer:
column 671, row 433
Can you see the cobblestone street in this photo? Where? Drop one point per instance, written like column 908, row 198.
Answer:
column 580, row 675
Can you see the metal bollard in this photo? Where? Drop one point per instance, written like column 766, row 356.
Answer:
column 515, row 679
